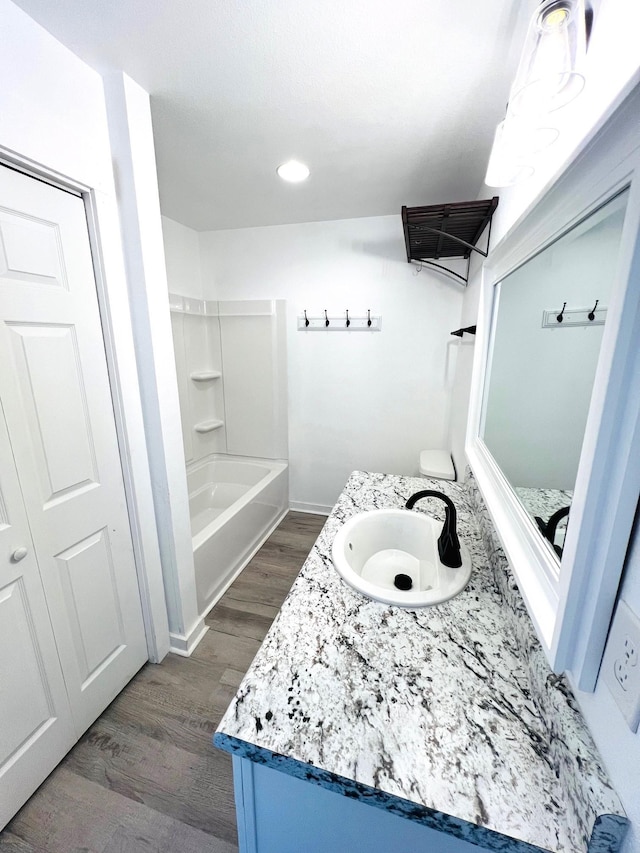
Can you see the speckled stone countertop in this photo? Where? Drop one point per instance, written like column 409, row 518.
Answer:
column 543, row 502
column 428, row 713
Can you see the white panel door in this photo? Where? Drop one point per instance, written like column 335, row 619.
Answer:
column 36, row 729
column 55, row 391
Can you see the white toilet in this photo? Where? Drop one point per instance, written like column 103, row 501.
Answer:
column 437, row 464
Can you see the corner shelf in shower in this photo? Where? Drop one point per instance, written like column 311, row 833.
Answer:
column 205, row 375
column 208, row 426
column 440, row 231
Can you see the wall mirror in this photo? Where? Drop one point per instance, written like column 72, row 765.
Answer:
column 548, row 322
column 554, row 425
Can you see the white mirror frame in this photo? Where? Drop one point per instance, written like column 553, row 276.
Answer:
column 571, row 605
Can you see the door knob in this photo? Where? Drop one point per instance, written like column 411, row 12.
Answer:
column 19, row 554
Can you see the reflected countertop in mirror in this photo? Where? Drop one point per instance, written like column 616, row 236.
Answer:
column 549, row 508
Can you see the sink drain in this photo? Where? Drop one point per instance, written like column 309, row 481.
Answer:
column 402, row 582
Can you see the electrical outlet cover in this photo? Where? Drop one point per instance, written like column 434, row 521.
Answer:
column 621, row 663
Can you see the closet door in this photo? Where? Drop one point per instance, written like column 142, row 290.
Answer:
column 55, row 391
column 36, row 729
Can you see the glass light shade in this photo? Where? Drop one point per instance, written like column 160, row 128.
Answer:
column 506, row 173
column 515, row 144
column 551, row 70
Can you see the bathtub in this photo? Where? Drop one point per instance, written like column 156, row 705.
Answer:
column 234, row 504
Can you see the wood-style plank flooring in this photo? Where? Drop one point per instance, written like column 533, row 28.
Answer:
column 145, row 776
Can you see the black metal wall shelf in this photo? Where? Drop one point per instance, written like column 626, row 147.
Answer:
column 470, row 330
column 447, row 231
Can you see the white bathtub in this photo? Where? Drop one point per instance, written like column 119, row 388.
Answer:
column 234, row 503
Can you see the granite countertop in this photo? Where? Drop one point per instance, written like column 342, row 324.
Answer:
column 429, row 713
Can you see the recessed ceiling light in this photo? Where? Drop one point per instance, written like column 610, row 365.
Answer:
column 293, row 171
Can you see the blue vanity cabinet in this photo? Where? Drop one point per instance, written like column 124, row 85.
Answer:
column 278, row 813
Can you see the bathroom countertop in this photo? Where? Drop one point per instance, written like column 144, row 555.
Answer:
column 544, row 502
column 428, row 713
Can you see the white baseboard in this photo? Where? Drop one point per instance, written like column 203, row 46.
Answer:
column 184, row 644
column 314, row 509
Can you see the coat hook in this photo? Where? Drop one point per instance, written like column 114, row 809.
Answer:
column 326, row 319
column 592, row 314
column 348, row 320
column 560, row 316
column 306, row 319
column 368, row 316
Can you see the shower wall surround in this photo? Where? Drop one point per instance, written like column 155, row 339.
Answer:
column 232, row 383
column 196, row 342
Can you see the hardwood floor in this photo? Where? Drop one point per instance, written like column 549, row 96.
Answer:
column 145, row 776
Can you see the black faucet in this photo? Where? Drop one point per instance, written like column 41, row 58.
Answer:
column 448, row 542
column 548, row 528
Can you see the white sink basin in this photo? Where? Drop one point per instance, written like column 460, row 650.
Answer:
column 373, row 548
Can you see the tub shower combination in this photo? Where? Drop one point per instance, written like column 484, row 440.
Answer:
column 231, row 367
column 234, row 505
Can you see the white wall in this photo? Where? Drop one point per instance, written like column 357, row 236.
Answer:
column 52, row 104
column 53, row 121
column 464, row 369
column 131, row 136
column 618, row 745
column 613, row 59
column 182, row 258
column 356, row 400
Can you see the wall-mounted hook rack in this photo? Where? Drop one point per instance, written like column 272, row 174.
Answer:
column 345, row 322
column 571, row 317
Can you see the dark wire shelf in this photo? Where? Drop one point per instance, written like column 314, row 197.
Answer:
column 440, row 231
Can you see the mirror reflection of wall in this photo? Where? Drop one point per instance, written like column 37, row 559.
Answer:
column 542, row 370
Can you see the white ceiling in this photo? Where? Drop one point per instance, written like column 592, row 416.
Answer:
column 389, row 103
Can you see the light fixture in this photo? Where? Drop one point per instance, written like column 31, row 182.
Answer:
column 507, row 166
column 293, row 171
column 515, row 144
column 550, row 75
column 551, row 70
